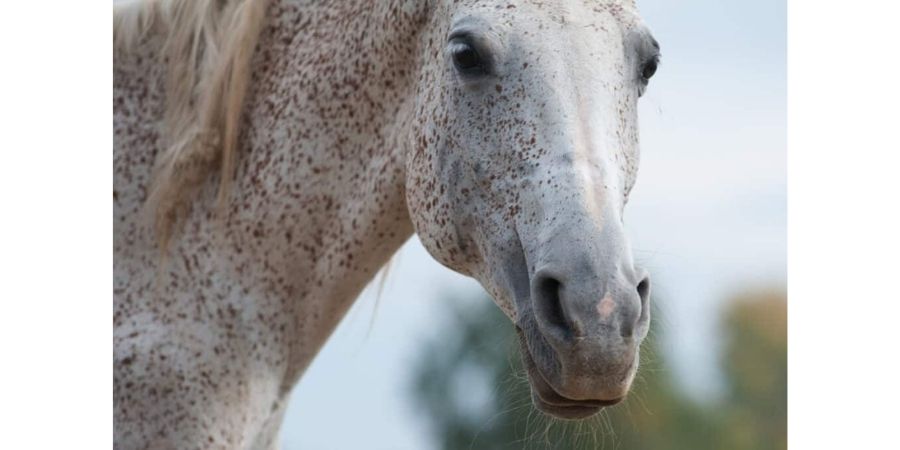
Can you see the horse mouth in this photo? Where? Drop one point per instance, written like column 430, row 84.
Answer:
column 548, row 400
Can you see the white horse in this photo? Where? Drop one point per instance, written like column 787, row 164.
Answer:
column 271, row 156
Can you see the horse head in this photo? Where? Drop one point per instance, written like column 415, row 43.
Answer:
column 525, row 150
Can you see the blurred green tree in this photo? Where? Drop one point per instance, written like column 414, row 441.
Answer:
column 755, row 363
column 471, row 385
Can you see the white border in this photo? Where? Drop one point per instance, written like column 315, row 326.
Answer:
column 844, row 223
column 55, row 229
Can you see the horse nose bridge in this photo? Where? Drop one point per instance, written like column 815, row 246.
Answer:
column 580, row 245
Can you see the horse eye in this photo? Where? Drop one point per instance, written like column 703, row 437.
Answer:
column 465, row 58
column 649, row 69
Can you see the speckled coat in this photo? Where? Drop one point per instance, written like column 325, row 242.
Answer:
column 355, row 133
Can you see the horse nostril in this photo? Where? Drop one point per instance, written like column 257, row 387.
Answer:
column 643, row 290
column 548, row 305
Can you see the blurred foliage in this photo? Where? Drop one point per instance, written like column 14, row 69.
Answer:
column 474, row 392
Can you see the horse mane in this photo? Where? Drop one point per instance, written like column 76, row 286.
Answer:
column 206, row 47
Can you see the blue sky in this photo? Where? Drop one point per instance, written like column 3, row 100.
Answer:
column 707, row 218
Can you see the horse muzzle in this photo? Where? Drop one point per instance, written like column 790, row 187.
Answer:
column 582, row 326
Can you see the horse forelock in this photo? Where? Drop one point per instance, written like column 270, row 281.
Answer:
column 206, row 46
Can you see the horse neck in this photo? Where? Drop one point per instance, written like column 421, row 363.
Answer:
column 318, row 203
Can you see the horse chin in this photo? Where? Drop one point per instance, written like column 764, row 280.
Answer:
column 549, row 401
column 573, row 412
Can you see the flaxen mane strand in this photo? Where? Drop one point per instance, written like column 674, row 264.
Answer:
column 207, row 45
